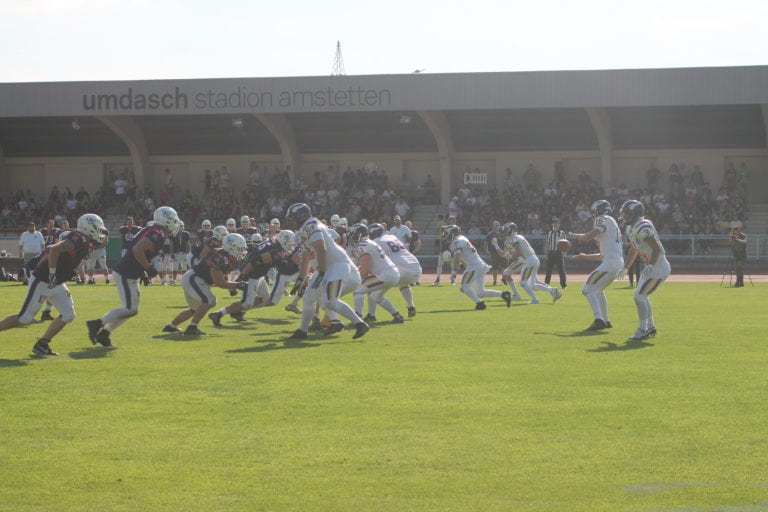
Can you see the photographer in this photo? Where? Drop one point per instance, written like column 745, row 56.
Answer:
column 739, row 252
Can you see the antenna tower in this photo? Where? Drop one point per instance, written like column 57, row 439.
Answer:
column 338, row 62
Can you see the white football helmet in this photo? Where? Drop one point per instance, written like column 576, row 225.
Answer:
column 343, row 222
column 167, row 218
column 91, row 225
column 181, row 226
column 234, row 245
column 219, row 232
column 231, row 224
column 245, row 221
column 206, row 224
column 335, row 220
column 287, row 240
column 256, row 238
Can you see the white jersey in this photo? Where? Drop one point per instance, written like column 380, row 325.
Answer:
column 609, row 239
column 523, row 246
column 639, row 233
column 468, row 254
column 397, row 252
column 380, row 265
column 313, row 230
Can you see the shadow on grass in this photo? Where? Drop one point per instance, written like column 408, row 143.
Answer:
column 274, row 345
column 92, row 353
column 576, row 334
column 11, row 363
column 275, row 321
column 608, row 346
column 181, row 337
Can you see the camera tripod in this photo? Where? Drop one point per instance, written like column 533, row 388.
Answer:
column 731, row 273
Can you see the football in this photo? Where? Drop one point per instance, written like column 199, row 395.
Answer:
column 563, row 245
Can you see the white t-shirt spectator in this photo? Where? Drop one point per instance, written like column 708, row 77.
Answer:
column 402, row 233
column 31, row 242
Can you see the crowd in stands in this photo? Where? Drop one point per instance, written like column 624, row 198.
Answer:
column 680, row 203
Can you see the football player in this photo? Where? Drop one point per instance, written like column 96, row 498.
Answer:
column 646, row 244
column 608, row 235
column 261, row 257
column 51, row 235
column 473, row 277
column 407, row 264
column 54, row 267
column 208, row 244
column 98, row 255
column 231, row 225
column 127, row 232
column 336, row 273
column 206, row 230
column 493, row 245
column 246, row 229
column 134, row 265
column 198, row 280
column 181, row 248
column 444, row 254
column 377, row 272
column 517, row 247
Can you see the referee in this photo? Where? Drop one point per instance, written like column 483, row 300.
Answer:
column 555, row 257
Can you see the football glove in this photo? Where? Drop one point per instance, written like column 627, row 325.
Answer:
column 296, row 286
column 150, row 272
column 52, row 280
column 232, row 292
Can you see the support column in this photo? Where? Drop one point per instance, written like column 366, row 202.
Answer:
column 131, row 134
column 438, row 124
column 281, row 129
column 601, row 122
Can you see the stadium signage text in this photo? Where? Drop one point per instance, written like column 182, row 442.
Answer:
column 238, row 99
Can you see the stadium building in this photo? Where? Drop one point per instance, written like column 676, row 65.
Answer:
column 484, row 129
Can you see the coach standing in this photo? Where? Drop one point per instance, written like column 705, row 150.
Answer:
column 554, row 256
column 31, row 245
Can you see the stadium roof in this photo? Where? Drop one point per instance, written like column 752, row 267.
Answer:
column 656, row 108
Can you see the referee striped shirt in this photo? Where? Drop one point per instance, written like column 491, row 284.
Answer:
column 552, row 237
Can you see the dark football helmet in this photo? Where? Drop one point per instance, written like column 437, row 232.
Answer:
column 601, row 207
column 450, row 232
column 375, row 231
column 632, row 210
column 297, row 214
column 358, row 232
column 508, row 229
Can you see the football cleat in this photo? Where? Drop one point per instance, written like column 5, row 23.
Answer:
column 369, row 318
column 360, row 330
column 437, row 282
column 192, row 330
column 171, row 328
column 103, row 339
column 41, row 348
column 651, row 332
column 333, row 328
column 397, row 318
column 516, row 297
column 215, row 318
column 507, row 296
column 556, row 295
column 106, row 281
column 239, row 316
column 480, row 306
column 298, row 334
column 608, row 325
column 91, row 281
column 640, row 334
column 293, row 308
column 597, row 325
column 411, row 312
column 46, row 315
column 94, row 326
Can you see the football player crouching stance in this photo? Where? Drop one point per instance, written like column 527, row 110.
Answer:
column 377, row 272
column 47, row 282
column 261, row 257
column 518, row 248
column 197, row 282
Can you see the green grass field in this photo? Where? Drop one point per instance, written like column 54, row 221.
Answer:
column 455, row 410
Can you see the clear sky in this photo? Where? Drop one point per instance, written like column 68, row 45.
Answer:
column 64, row 40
